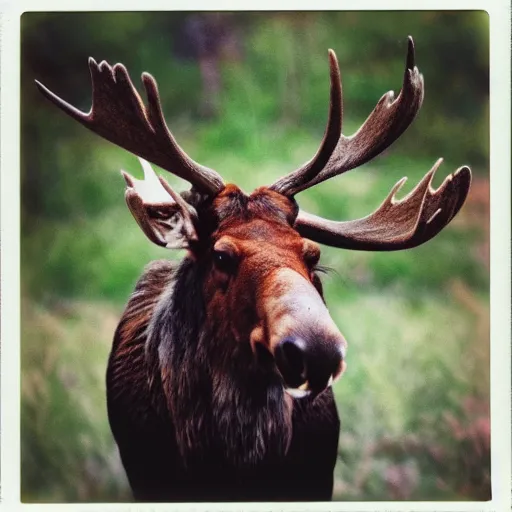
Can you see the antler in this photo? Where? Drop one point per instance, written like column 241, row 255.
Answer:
column 119, row 115
column 384, row 125
column 162, row 214
column 395, row 225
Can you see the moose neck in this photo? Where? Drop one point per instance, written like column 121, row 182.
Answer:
column 222, row 401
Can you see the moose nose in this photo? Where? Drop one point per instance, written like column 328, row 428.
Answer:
column 308, row 367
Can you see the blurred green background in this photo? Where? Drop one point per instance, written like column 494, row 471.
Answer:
column 247, row 94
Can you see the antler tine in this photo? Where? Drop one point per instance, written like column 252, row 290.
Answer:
column 389, row 119
column 119, row 115
column 289, row 184
column 395, row 225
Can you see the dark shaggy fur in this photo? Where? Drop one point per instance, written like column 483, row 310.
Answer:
column 195, row 421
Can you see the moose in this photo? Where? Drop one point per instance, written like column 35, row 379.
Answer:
column 220, row 378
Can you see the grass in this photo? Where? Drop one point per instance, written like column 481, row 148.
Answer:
column 64, row 423
column 405, row 379
column 404, row 374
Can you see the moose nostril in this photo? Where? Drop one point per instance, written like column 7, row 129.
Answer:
column 291, row 361
column 295, row 356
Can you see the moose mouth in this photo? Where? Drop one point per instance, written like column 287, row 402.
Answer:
column 306, row 371
column 304, row 389
column 298, row 385
column 300, row 392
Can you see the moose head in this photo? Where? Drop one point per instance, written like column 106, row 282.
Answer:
column 259, row 252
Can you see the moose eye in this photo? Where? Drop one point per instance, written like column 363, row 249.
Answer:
column 224, row 261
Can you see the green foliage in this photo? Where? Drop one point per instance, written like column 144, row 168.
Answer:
column 67, row 450
column 417, row 395
column 416, row 339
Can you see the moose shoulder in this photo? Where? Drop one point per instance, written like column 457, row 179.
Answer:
column 219, row 382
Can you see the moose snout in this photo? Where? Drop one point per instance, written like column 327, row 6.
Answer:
column 309, row 365
column 308, row 348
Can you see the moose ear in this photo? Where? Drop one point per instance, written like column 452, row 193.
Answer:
column 162, row 214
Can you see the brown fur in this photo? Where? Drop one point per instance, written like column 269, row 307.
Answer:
column 188, row 391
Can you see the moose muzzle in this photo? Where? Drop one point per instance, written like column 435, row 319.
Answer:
column 308, row 348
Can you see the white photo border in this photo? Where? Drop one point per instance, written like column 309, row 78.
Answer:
column 500, row 243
